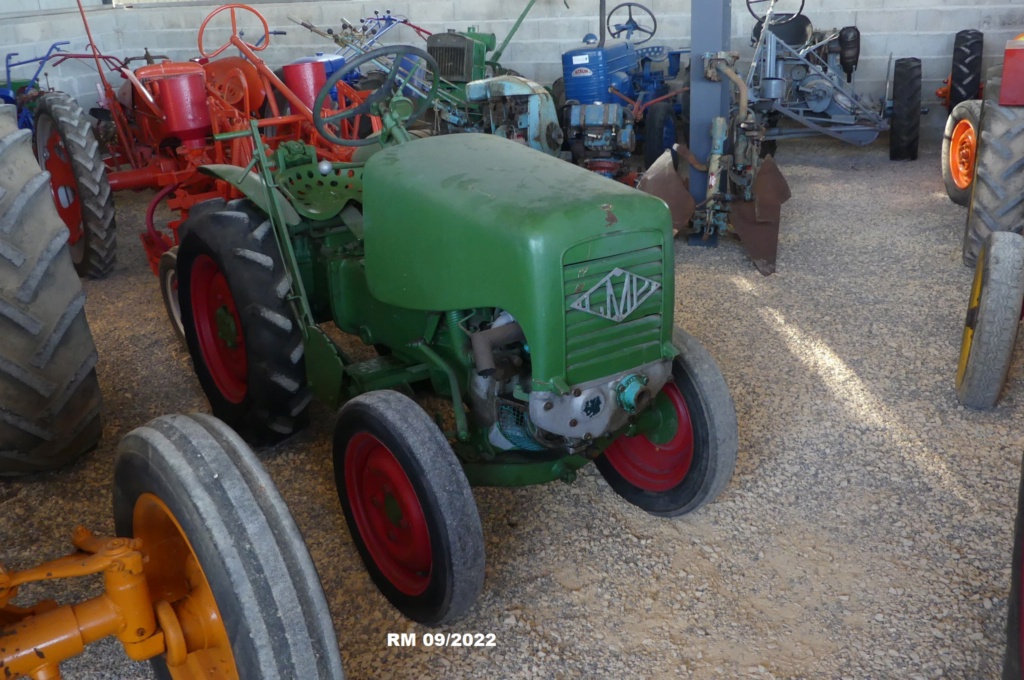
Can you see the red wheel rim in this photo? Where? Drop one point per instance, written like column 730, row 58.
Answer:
column 388, row 514
column 63, row 184
column 219, row 329
column 652, row 466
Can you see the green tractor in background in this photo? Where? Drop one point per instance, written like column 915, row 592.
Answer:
column 534, row 297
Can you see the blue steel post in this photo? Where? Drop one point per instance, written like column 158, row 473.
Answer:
column 710, row 33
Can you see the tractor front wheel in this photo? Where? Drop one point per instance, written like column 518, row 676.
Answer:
column 236, row 592
column 245, row 342
column 997, row 198
column 169, row 290
column 959, row 149
column 993, row 315
column 687, row 455
column 68, row 149
column 409, row 507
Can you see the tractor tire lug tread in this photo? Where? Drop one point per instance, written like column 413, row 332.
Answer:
column 51, row 410
column 905, row 128
column 997, row 200
column 99, row 229
column 965, row 72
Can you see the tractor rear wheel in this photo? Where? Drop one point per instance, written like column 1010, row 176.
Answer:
column 223, row 556
column 959, row 150
column 965, row 72
column 49, row 394
column 905, row 127
column 993, row 316
column 68, row 149
column 659, row 131
column 409, row 507
column 245, row 342
column 687, row 458
column 997, row 199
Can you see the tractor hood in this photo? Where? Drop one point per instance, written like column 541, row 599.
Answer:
column 470, row 220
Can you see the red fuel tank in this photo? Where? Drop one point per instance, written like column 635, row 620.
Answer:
column 305, row 79
column 178, row 90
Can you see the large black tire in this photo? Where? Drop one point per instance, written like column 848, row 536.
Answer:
column 993, row 315
column 389, row 455
column 997, row 202
column 49, row 394
column 959, row 150
column 676, row 477
column 965, row 71
column 68, row 148
column 905, row 127
column 237, row 526
column 1012, row 661
column 255, row 380
column 659, row 131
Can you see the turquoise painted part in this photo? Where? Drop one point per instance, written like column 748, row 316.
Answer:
column 628, row 389
column 470, row 220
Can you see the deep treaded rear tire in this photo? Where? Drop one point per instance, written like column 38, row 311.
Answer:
column 905, row 130
column 997, row 202
column 275, row 396
column 96, row 251
column 965, row 72
column 957, row 170
column 993, row 317
column 49, row 394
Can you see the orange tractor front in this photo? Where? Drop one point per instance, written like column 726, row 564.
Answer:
column 156, row 129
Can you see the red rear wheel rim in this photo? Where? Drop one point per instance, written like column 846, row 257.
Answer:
column 63, row 184
column 388, row 514
column 219, row 329
column 652, row 466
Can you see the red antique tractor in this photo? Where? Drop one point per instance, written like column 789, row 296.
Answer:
column 156, row 128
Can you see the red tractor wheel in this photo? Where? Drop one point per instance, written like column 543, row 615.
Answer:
column 688, row 452
column 959, row 150
column 246, row 346
column 235, row 591
column 409, row 507
column 67, row 148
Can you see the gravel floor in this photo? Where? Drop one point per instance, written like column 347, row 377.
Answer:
column 866, row 533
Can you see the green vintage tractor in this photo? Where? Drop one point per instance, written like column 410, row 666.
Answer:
column 533, row 297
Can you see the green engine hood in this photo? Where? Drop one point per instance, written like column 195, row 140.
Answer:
column 472, row 220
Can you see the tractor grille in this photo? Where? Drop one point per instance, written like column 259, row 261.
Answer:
column 596, row 346
column 454, row 56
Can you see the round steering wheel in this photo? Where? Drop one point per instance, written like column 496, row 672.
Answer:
column 398, row 54
column 260, row 45
column 631, row 25
column 781, row 10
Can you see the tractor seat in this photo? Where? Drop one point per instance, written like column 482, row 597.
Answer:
column 795, row 32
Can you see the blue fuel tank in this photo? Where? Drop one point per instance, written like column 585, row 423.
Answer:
column 589, row 72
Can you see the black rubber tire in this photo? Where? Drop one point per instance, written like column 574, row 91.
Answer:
column 993, row 312
column 965, row 71
column 657, row 121
column 49, row 395
column 969, row 111
column 905, row 127
column 95, row 253
column 444, row 496
column 252, row 554
column 997, row 201
column 1012, row 661
column 715, row 430
column 241, row 241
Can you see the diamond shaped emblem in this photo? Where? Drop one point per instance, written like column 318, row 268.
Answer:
column 624, row 292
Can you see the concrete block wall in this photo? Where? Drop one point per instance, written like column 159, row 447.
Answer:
column 921, row 28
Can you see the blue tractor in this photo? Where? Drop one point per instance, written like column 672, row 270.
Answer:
column 616, row 96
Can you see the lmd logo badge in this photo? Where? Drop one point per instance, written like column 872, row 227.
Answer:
column 581, row 71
